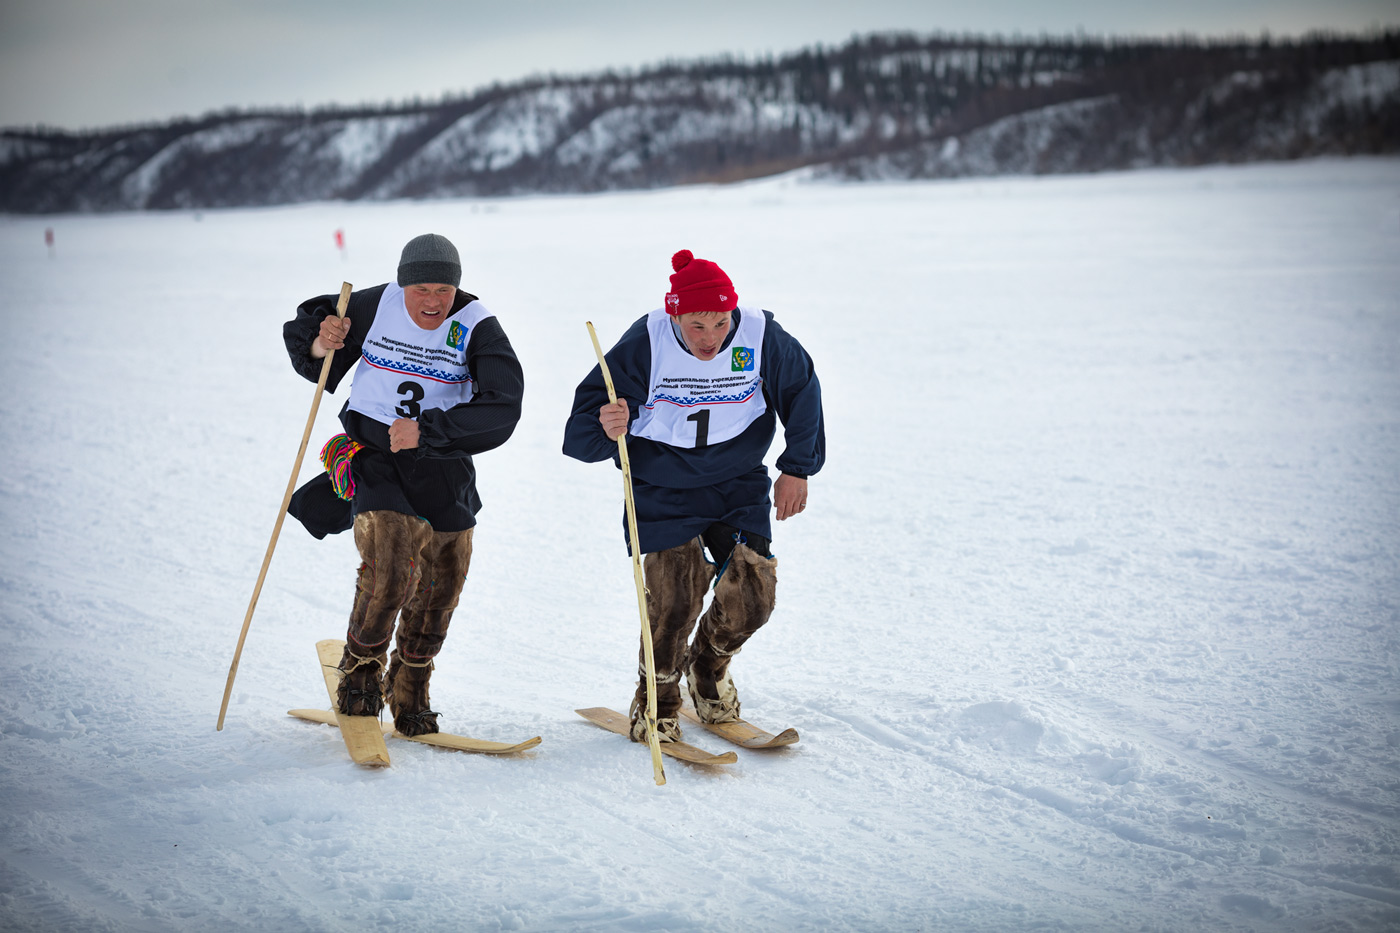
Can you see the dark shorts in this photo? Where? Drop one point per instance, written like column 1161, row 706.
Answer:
column 667, row 517
column 441, row 491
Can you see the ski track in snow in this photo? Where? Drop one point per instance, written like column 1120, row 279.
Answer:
column 1092, row 624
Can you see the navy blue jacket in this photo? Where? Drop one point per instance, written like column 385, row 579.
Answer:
column 790, row 388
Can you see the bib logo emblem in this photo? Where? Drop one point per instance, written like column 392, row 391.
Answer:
column 742, row 360
column 456, row 336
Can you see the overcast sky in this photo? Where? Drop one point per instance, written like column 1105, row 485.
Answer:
column 78, row 64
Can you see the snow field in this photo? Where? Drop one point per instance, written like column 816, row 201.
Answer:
column 1091, row 622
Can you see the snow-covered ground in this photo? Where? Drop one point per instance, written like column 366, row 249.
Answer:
column 1091, row 623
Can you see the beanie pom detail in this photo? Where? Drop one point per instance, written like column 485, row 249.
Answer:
column 698, row 287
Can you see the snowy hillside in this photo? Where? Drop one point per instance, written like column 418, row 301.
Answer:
column 881, row 107
column 1091, row 623
column 1232, row 119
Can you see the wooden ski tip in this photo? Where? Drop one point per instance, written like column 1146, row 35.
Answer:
column 363, row 738
column 614, row 721
column 464, row 743
column 744, row 733
column 373, row 760
column 460, row 743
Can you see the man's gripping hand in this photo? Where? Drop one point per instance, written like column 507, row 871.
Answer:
column 613, row 417
column 332, row 336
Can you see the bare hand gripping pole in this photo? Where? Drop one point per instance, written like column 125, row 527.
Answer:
column 340, row 307
column 647, row 654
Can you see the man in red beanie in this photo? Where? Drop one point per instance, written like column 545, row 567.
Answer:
column 701, row 384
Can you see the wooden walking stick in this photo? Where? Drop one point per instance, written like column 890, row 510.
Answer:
column 647, row 654
column 282, row 512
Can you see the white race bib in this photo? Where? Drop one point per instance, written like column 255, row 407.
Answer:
column 693, row 403
column 405, row 370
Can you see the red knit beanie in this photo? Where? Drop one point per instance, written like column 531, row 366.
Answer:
column 698, row 286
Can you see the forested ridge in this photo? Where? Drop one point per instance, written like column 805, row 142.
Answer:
column 877, row 107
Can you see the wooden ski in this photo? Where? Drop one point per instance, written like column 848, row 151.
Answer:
column 362, row 736
column 461, row 743
column 614, row 721
column 744, row 733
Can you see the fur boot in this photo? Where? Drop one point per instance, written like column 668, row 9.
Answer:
column 360, row 692
column 406, row 693
column 676, row 580
column 668, row 728
column 744, row 599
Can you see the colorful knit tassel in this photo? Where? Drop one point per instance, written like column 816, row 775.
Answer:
column 335, row 456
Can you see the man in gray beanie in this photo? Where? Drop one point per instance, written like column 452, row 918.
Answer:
column 435, row 383
column 429, row 258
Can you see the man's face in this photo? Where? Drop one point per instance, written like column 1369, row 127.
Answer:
column 428, row 304
column 704, row 333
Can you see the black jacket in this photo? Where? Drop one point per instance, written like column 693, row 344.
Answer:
column 435, row 481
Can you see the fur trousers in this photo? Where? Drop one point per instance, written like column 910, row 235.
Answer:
column 744, row 599
column 676, row 581
column 410, row 575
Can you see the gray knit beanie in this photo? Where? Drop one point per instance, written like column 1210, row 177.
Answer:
column 430, row 259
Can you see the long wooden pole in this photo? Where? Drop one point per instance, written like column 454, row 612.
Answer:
column 648, row 656
column 340, row 307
